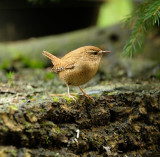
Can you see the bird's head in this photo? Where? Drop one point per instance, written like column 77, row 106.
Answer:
column 93, row 53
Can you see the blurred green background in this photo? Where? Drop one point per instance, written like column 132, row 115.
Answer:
column 114, row 11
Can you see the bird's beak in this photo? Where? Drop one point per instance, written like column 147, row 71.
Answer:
column 105, row 51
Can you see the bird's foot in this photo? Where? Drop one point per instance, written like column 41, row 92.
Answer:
column 85, row 94
column 89, row 97
column 72, row 97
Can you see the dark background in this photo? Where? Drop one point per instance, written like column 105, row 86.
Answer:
column 20, row 19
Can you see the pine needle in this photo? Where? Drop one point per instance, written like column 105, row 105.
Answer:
column 141, row 20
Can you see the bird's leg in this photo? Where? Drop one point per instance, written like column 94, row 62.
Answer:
column 70, row 96
column 85, row 93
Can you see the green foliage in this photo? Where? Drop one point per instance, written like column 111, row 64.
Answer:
column 49, row 76
column 10, row 75
column 47, row 140
column 158, row 75
column 32, row 63
column 113, row 11
column 58, row 130
column 5, row 64
column 143, row 19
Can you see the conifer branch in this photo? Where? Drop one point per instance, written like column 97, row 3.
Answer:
column 143, row 19
column 156, row 11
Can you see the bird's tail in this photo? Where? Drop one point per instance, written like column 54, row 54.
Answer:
column 50, row 56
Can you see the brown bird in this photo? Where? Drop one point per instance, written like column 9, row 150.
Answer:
column 78, row 66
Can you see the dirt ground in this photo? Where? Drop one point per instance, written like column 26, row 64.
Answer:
column 38, row 119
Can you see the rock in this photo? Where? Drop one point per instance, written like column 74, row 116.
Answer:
column 123, row 120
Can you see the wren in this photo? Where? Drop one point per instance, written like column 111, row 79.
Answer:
column 78, row 66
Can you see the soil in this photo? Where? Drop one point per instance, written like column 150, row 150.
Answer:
column 38, row 119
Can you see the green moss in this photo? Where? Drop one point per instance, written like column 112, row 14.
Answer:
column 42, row 110
column 30, row 131
column 12, row 152
column 70, row 100
column 28, row 125
column 48, row 123
column 13, row 107
column 56, row 99
column 112, row 93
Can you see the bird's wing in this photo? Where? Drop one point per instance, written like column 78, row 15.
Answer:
column 70, row 66
column 62, row 67
column 60, row 64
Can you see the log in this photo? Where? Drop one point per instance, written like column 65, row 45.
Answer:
column 31, row 49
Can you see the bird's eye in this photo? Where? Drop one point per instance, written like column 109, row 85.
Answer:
column 95, row 53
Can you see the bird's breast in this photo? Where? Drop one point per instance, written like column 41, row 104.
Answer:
column 79, row 75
